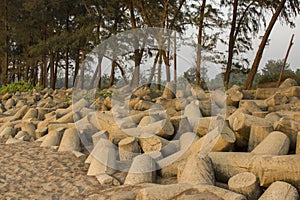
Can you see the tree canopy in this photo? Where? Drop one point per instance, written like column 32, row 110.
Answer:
column 46, row 42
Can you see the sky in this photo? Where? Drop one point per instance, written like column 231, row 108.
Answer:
column 278, row 45
column 280, row 39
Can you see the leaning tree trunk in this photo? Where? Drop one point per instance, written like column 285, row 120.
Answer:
column 285, row 59
column 262, row 45
column 231, row 44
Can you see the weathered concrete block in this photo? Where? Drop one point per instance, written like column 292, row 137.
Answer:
column 220, row 192
column 276, row 143
column 257, row 135
column 247, row 184
column 197, row 170
column 103, row 158
column 70, row 140
column 142, row 170
column 290, row 127
column 162, row 191
column 129, row 148
column 193, row 113
column 187, row 139
column 181, row 125
column 280, row 190
column 52, row 138
column 150, row 142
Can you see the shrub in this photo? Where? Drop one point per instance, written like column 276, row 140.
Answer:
column 16, row 87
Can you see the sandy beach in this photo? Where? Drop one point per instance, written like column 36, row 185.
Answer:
column 31, row 172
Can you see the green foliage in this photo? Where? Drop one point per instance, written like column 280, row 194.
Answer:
column 16, row 87
column 270, row 73
column 36, row 31
column 68, row 99
column 38, row 87
column 104, row 93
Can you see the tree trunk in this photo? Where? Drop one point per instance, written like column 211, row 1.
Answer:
column 167, row 58
column 136, row 74
column 41, row 72
column 262, row 45
column 200, row 33
column 152, row 73
column 4, row 69
column 67, row 56
column 32, row 74
column 56, row 66
column 77, row 65
column 19, row 72
column 167, row 63
column 122, row 72
column 112, row 73
column 175, row 61
column 285, row 59
column 99, row 73
column 82, row 69
column 159, row 70
column 52, row 76
column 138, row 53
column 45, row 81
column 231, row 44
column 36, row 72
column 67, row 69
column 5, row 59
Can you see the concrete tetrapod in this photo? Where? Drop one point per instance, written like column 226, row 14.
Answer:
column 187, row 139
column 70, row 140
column 276, row 143
column 181, row 125
column 193, row 113
column 267, row 168
column 52, row 138
column 103, row 158
column 162, row 192
column 142, row 170
column 257, row 135
column 206, row 124
column 220, row 192
column 247, row 184
column 242, row 126
column 215, row 140
column 290, row 127
column 129, row 148
column 298, row 144
column 280, row 190
column 197, row 170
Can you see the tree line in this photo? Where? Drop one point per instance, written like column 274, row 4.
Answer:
column 40, row 39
